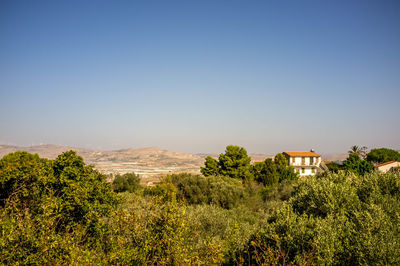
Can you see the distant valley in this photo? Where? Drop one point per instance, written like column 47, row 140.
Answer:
column 149, row 163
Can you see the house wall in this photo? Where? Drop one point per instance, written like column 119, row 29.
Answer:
column 388, row 167
column 307, row 171
column 298, row 164
column 298, row 161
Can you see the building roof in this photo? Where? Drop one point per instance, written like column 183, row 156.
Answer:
column 382, row 164
column 301, row 154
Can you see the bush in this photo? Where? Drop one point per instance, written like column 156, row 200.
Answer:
column 334, row 167
column 126, row 182
column 155, row 231
column 195, row 189
column 228, row 229
column 51, row 209
column 336, row 219
column 354, row 164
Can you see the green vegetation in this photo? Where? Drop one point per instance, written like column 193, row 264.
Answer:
column 62, row 211
column 266, row 173
column 126, row 182
column 234, row 163
column 335, row 219
column 356, row 165
column 383, row 155
column 334, row 167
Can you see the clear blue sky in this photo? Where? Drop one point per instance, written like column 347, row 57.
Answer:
column 195, row 76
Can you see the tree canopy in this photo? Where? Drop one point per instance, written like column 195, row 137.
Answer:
column 280, row 159
column 266, row 172
column 78, row 191
column 354, row 164
column 383, row 155
column 234, row 163
column 211, row 167
column 126, row 182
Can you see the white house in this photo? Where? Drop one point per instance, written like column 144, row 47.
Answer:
column 304, row 162
column 388, row 166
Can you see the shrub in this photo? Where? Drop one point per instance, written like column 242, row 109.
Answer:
column 126, row 182
column 195, row 189
column 51, row 209
column 335, row 219
column 155, row 231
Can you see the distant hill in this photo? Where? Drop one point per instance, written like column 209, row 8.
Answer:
column 144, row 161
column 155, row 156
column 335, row 157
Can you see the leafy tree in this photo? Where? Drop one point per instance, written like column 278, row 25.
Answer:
column 79, row 192
column 357, row 150
column 333, row 167
column 54, row 207
column 335, row 219
column 25, row 177
column 210, row 167
column 235, row 163
column 354, row 164
column 280, row 159
column 126, row 182
column 266, row 172
column 286, row 173
column 383, row 155
column 193, row 188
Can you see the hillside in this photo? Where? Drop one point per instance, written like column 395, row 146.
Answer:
column 146, row 162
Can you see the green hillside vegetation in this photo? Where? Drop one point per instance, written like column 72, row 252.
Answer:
column 62, row 211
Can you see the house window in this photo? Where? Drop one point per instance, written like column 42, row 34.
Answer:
column 303, row 160
column 303, row 170
column 293, row 159
column 313, row 170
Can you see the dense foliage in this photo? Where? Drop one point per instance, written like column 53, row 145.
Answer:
column 234, row 163
column 383, row 155
column 195, row 189
column 126, row 182
column 62, row 211
column 47, row 205
column 354, row 164
column 335, row 219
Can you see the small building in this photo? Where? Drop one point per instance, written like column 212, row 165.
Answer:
column 304, row 162
column 388, row 166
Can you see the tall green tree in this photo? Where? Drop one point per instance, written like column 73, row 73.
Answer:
column 383, row 155
column 79, row 194
column 280, row 159
column 25, row 177
column 266, row 172
column 286, row 172
column 210, row 167
column 126, row 182
column 354, row 164
column 235, row 163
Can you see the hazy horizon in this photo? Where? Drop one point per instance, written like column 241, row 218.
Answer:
column 197, row 76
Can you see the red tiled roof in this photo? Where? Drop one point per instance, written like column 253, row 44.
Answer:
column 382, row 164
column 301, row 154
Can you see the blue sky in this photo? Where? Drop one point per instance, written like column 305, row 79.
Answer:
column 195, row 76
